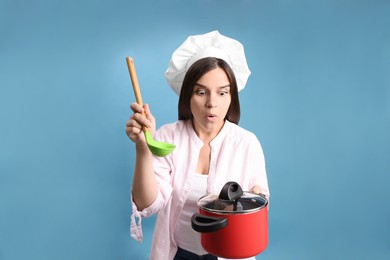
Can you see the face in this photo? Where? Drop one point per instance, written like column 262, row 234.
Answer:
column 210, row 102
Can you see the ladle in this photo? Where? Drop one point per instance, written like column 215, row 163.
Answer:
column 157, row 148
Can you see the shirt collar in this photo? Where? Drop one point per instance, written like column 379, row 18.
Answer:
column 222, row 134
column 216, row 141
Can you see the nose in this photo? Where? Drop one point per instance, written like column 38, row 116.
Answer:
column 211, row 101
column 210, row 105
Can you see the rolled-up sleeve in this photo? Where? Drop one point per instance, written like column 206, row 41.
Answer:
column 136, row 216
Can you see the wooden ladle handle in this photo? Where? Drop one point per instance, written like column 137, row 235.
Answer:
column 134, row 80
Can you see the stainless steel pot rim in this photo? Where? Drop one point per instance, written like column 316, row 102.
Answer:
column 227, row 212
column 247, row 195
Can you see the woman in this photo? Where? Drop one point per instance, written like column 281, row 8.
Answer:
column 211, row 150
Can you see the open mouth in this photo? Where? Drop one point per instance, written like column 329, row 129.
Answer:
column 211, row 116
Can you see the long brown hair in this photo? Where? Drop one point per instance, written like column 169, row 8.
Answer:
column 194, row 73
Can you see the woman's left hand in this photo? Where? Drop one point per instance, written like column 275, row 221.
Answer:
column 255, row 189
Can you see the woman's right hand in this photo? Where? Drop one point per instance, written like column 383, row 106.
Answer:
column 142, row 117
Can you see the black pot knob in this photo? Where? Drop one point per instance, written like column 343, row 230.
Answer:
column 231, row 191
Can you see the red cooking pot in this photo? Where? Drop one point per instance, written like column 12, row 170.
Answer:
column 233, row 224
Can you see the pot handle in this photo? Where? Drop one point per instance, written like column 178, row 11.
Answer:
column 207, row 224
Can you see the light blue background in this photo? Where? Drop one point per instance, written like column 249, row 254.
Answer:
column 318, row 99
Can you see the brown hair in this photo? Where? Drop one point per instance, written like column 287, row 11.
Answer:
column 194, row 73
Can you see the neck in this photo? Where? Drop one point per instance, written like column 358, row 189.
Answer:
column 204, row 134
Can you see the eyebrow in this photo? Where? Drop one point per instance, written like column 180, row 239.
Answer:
column 200, row 85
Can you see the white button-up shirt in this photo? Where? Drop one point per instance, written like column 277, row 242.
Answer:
column 236, row 155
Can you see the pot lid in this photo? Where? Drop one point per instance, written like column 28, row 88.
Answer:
column 233, row 200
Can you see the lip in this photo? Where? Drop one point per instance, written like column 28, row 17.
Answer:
column 211, row 116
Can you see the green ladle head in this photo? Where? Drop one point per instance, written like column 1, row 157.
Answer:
column 160, row 149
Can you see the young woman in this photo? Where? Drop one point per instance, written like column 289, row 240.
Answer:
column 211, row 150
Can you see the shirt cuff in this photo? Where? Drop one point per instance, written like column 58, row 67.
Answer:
column 136, row 218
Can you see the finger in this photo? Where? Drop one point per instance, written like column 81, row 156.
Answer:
column 148, row 113
column 132, row 127
column 142, row 120
column 133, row 132
column 129, row 122
column 147, row 109
column 137, row 108
column 256, row 189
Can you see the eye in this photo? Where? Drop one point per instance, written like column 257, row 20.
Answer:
column 224, row 93
column 200, row 92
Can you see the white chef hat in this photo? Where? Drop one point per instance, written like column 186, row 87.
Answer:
column 212, row 44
